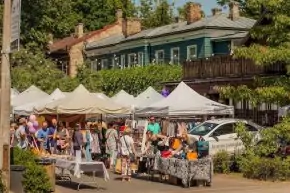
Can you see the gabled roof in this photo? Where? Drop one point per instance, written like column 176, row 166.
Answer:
column 67, row 42
column 221, row 21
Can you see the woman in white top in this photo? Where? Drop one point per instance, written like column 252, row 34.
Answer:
column 128, row 152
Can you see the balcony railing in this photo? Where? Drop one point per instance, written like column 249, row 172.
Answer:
column 226, row 67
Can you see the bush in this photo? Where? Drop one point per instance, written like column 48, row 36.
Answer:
column 222, row 162
column 263, row 168
column 2, row 186
column 36, row 179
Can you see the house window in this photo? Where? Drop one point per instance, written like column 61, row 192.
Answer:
column 104, row 63
column 123, row 61
column 191, row 52
column 132, row 60
column 111, row 63
column 159, row 56
column 175, row 56
column 141, row 58
column 96, row 65
column 116, row 62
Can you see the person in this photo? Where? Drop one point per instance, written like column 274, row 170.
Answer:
column 61, row 136
column 51, row 131
column 154, row 128
column 87, row 138
column 95, row 144
column 42, row 137
column 13, row 128
column 77, row 139
column 127, row 149
column 111, row 143
column 21, row 134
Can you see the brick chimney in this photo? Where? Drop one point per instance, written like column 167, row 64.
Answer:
column 234, row 10
column 216, row 11
column 119, row 15
column 193, row 12
column 79, row 30
column 131, row 26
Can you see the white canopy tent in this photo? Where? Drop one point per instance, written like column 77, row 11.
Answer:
column 27, row 109
column 81, row 101
column 31, row 94
column 147, row 98
column 184, row 101
column 123, row 98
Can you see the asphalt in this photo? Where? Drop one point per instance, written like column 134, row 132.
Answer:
column 221, row 184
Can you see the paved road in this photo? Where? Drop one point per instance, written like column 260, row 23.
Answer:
column 221, row 184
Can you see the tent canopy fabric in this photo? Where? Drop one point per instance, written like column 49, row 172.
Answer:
column 148, row 97
column 29, row 95
column 123, row 98
column 27, row 109
column 81, row 101
column 185, row 101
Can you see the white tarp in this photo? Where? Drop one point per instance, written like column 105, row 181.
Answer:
column 148, row 97
column 123, row 98
column 27, row 109
column 29, row 95
column 81, row 101
column 185, row 101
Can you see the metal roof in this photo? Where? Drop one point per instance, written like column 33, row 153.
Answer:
column 221, row 21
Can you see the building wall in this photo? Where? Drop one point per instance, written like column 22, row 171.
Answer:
column 76, row 51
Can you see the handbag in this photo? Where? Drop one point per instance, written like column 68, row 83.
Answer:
column 131, row 155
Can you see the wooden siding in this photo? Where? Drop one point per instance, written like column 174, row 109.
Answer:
column 227, row 66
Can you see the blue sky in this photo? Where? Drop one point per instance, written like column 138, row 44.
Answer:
column 207, row 5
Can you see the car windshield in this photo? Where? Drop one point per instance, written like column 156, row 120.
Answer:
column 203, row 129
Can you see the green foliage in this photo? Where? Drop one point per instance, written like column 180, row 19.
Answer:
column 34, row 68
column 2, row 186
column 155, row 17
column 137, row 79
column 256, row 162
column 262, row 168
column 222, row 162
column 35, row 177
column 246, row 9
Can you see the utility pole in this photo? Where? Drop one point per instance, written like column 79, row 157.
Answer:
column 5, row 97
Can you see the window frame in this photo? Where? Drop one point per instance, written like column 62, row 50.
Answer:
column 123, row 61
column 140, row 57
column 188, row 52
column 105, row 60
column 157, row 58
column 172, row 56
column 130, row 63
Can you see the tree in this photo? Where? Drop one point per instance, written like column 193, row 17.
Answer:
column 154, row 17
column 246, row 9
column 90, row 14
column 272, row 47
column 32, row 68
column 39, row 18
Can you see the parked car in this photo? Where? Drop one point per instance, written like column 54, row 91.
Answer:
column 221, row 135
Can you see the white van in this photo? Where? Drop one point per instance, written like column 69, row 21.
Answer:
column 221, row 134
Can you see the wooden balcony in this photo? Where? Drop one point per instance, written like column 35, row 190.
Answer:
column 228, row 67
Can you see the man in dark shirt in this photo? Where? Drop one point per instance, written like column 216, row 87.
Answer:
column 51, row 131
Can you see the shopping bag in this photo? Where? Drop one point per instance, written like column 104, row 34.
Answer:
column 118, row 166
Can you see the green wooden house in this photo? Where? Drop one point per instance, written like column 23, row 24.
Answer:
column 185, row 40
